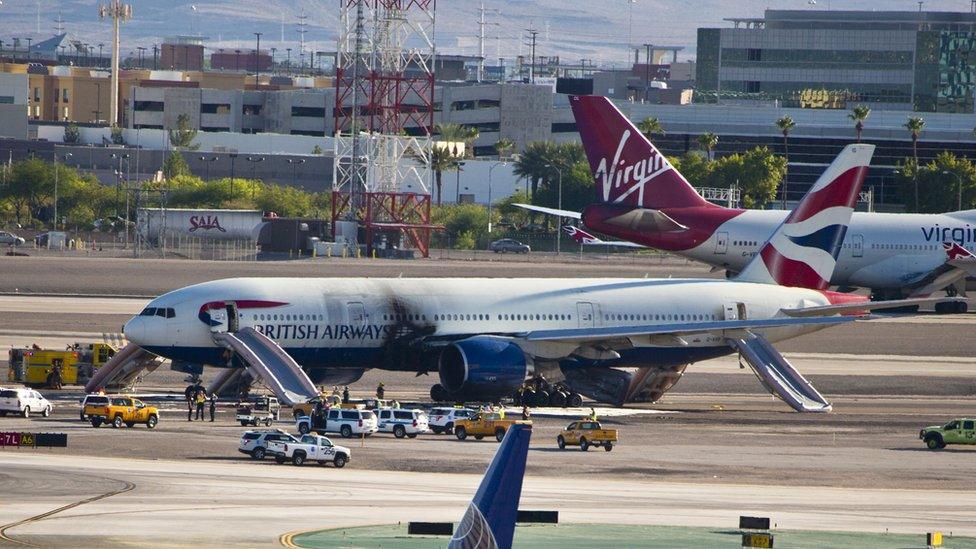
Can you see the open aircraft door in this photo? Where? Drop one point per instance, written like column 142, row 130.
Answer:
column 233, row 316
column 721, row 242
column 357, row 313
column 219, row 320
column 735, row 311
column 857, row 245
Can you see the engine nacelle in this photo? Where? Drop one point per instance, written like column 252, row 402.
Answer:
column 483, row 368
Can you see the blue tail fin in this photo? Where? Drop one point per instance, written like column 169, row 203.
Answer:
column 489, row 521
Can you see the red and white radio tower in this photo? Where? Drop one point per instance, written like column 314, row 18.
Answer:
column 384, row 115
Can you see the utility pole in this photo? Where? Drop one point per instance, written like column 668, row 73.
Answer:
column 155, row 57
column 481, row 46
column 257, row 60
column 647, row 73
column 534, row 34
column 302, row 24
column 118, row 12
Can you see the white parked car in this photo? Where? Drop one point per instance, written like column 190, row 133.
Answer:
column 346, row 422
column 255, row 443
column 310, row 448
column 402, row 423
column 10, row 239
column 24, row 401
column 442, row 419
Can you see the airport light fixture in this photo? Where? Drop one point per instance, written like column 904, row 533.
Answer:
column 959, row 187
column 457, row 184
column 253, row 160
column 294, row 168
column 559, row 206
column 208, row 160
column 491, row 169
column 65, row 156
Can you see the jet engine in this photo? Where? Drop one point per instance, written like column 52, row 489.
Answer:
column 482, row 368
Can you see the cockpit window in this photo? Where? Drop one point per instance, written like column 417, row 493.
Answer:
column 170, row 313
column 164, row 312
column 148, row 311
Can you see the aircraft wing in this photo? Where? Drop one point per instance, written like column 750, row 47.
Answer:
column 960, row 263
column 863, row 307
column 551, row 211
column 677, row 329
column 616, row 243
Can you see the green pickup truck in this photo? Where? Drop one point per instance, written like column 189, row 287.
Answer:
column 957, row 431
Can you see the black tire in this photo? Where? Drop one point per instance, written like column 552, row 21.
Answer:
column 499, row 434
column 436, row 430
column 399, row 431
column 479, row 437
column 152, row 421
column 243, row 423
column 449, row 428
column 258, row 453
column 25, row 412
column 96, row 422
column 117, row 422
column 461, row 433
column 340, row 461
column 46, row 412
column 528, row 398
column 561, row 442
column 934, row 442
column 267, row 422
column 584, row 444
column 575, row 400
column 304, row 428
column 608, row 446
column 558, row 399
column 298, row 459
column 279, row 459
column 542, row 398
column 345, row 431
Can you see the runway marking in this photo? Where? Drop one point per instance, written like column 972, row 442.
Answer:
column 3, row 529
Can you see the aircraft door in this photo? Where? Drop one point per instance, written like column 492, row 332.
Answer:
column 721, row 242
column 233, row 317
column 219, row 318
column 584, row 314
column 357, row 313
column 735, row 311
column 857, row 245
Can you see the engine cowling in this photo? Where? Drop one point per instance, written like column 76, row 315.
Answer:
column 483, row 368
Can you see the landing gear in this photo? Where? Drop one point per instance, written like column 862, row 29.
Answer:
column 439, row 394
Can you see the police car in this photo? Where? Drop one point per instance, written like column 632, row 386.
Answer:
column 310, row 448
column 442, row 419
column 402, row 423
column 255, row 443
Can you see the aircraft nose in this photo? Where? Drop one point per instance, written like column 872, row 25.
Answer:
column 135, row 330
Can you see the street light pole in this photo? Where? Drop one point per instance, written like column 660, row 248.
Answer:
column 66, row 155
column 253, row 160
column 959, row 186
column 559, row 205
column 491, row 169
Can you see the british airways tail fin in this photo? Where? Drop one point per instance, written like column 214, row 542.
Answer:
column 627, row 168
column 803, row 250
column 489, row 522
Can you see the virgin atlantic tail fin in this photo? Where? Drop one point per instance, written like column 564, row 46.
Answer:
column 626, row 167
column 803, row 250
column 489, row 521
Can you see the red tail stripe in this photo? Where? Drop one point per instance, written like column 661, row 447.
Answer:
column 787, row 272
column 842, row 191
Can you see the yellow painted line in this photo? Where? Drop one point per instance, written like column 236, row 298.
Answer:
column 288, row 539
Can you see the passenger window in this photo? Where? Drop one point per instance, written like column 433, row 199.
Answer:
column 967, row 425
column 350, row 415
column 334, row 414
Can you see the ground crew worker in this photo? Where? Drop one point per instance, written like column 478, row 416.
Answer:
column 201, row 399
column 525, row 413
column 345, row 395
column 592, row 416
column 380, row 391
column 335, row 391
column 189, row 406
column 501, row 412
column 213, row 406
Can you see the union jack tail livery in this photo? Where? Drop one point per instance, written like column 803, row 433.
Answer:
column 956, row 252
column 803, row 250
column 580, row 236
column 626, row 167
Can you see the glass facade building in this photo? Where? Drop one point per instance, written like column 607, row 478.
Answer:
column 921, row 61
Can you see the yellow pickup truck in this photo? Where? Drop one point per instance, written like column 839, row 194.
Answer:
column 485, row 424
column 585, row 434
column 119, row 410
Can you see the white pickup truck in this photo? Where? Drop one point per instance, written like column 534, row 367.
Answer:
column 309, row 447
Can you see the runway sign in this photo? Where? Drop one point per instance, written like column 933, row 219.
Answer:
column 541, row 517
column 34, row 440
column 933, row 539
column 430, row 528
column 757, row 540
column 754, row 523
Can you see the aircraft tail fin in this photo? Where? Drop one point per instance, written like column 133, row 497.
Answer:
column 580, row 236
column 803, row 250
column 626, row 166
column 489, row 521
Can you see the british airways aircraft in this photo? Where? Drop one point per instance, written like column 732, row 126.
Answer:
column 614, row 340
column 584, row 238
column 643, row 199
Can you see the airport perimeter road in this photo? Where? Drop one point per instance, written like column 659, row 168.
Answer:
column 168, row 503
column 151, row 277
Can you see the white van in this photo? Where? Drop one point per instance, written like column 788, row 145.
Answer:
column 401, row 423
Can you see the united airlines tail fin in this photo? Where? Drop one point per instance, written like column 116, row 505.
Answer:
column 627, row 168
column 489, row 522
column 803, row 250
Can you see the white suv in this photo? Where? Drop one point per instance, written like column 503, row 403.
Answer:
column 442, row 419
column 402, row 423
column 255, row 443
column 23, row 401
column 343, row 421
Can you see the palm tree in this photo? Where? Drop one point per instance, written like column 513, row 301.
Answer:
column 532, row 163
column 650, row 126
column 786, row 125
column 708, row 141
column 441, row 160
column 859, row 114
column 503, row 146
column 457, row 133
column 914, row 125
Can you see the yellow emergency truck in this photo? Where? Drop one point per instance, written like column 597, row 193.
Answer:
column 34, row 366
